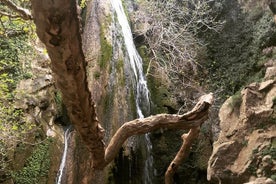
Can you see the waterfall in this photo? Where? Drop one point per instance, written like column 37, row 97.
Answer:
column 67, row 134
column 141, row 92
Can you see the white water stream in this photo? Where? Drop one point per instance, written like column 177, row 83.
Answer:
column 142, row 92
column 67, row 134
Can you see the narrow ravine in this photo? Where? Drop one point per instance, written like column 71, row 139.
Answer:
column 67, row 135
column 142, row 101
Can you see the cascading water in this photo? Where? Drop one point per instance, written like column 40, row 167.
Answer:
column 67, row 134
column 140, row 84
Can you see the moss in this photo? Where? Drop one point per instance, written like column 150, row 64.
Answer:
column 143, row 51
column 106, row 48
column 97, row 74
column 82, row 3
column 106, row 53
column 236, row 101
column 120, row 72
column 120, row 65
column 108, row 101
column 159, row 93
column 274, row 102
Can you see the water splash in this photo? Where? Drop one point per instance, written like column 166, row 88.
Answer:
column 142, row 101
column 67, row 135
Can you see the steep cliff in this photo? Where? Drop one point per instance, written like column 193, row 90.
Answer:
column 245, row 149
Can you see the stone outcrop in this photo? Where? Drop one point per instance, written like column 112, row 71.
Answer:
column 245, row 149
column 36, row 97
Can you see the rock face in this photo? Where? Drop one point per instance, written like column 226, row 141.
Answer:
column 110, row 83
column 37, row 98
column 245, row 149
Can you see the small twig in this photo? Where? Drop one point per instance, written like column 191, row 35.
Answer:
column 23, row 13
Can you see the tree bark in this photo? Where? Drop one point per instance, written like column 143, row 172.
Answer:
column 23, row 13
column 58, row 28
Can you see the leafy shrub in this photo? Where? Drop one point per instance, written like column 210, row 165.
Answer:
column 36, row 166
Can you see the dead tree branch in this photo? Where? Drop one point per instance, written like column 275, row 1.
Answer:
column 9, row 15
column 182, row 154
column 189, row 120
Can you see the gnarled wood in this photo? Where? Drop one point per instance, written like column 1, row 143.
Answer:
column 189, row 120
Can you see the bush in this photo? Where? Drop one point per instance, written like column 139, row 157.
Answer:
column 36, row 166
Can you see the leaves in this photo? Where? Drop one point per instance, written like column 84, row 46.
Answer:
column 37, row 165
column 15, row 35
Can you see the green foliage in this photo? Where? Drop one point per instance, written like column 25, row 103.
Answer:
column 236, row 100
column 273, row 177
column 36, row 166
column 269, row 151
column 15, row 53
column 234, row 56
column 13, row 129
column 245, row 143
column 274, row 101
column 58, row 98
column 83, row 3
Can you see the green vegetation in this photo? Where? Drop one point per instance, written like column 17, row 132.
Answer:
column 15, row 55
column 106, row 48
column 144, row 53
column 273, row 177
column 236, row 60
column 36, row 166
column 270, row 150
column 83, row 3
column 274, row 102
column 236, row 100
column 120, row 72
column 97, row 74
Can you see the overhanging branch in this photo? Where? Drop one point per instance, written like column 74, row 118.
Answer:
column 9, row 15
column 189, row 120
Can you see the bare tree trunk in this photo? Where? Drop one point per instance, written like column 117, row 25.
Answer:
column 58, row 28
